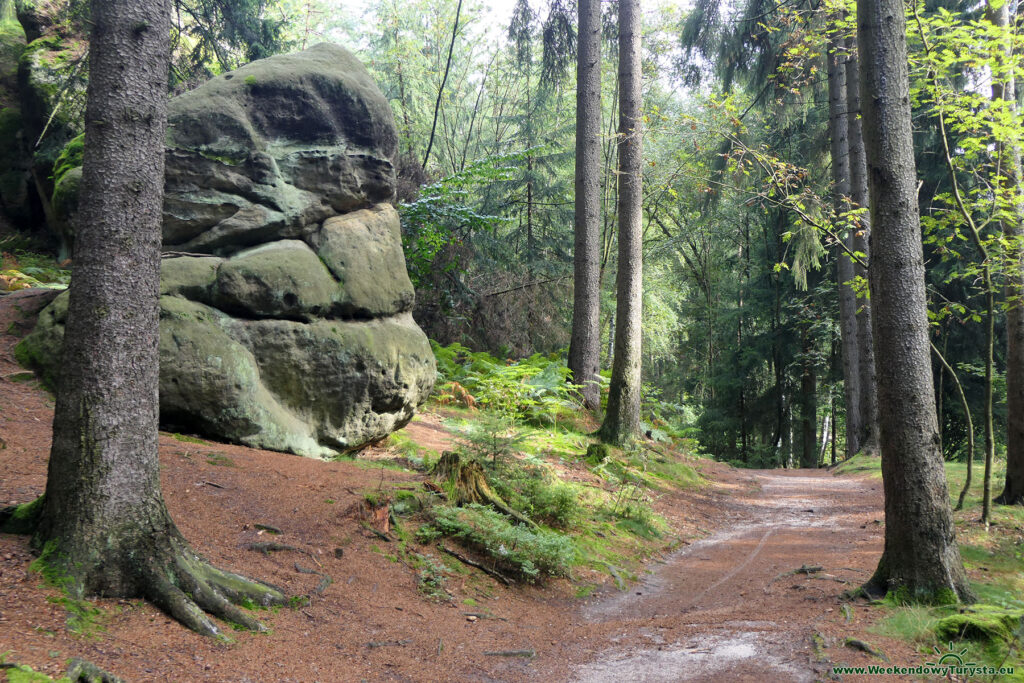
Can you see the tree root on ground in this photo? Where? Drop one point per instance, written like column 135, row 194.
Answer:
column 471, row 485
column 190, row 589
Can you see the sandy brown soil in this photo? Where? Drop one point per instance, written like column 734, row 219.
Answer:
column 720, row 608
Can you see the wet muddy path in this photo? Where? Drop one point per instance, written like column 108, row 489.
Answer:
column 732, row 606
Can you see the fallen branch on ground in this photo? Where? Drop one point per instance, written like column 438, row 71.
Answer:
column 473, row 563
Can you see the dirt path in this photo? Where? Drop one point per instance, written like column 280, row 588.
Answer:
column 726, row 607
column 722, row 608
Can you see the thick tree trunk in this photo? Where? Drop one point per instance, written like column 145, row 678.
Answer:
column 584, row 347
column 839, row 127
column 921, row 560
column 868, row 441
column 104, row 524
column 1005, row 90
column 622, row 421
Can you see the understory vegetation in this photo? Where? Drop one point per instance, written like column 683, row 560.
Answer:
column 556, row 501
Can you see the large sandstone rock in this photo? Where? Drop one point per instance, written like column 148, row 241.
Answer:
column 285, row 304
column 273, row 149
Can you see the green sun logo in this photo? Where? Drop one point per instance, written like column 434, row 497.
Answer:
column 950, row 657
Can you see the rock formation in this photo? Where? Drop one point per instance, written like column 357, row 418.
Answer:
column 285, row 303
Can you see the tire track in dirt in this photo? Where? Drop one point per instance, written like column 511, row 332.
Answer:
column 727, row 607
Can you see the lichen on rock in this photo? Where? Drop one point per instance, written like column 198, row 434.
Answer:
column 285, row 307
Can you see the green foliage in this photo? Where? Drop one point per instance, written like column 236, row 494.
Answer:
column 536, row 492
column 70, row 157
column 534, row 389
column 444, row 216
column 22, row 269
column 528, row 555
column 432, row 577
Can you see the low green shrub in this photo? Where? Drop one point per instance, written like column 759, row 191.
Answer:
column 527, row 554
column 535, row 492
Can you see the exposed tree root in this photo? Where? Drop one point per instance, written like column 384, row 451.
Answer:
column 471, row 485
column 82, row 671
column 21, row 519
column 472, row 563
column 190, row 589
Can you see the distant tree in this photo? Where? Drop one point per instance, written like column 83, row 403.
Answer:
column 584, row 349
column 622, row 420
column 868, row 389
column 921, row 560
column 103, row 523
column 838, row 134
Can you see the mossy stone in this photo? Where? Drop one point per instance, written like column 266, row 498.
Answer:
column 364, row 251
column 597, row 453
column 191, row 277
column 282, row 279
column 980, row 622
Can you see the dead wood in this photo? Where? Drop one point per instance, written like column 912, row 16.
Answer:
column 482, row 615
column 511, row 653
column 855, row 644
column 376, row 532
column 471, row 485
column 473, row 563
column 267, row 547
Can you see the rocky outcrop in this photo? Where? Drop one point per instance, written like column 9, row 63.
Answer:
column 285, row 303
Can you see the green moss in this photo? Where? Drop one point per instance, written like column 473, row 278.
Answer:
column 24, row 518
column 25, row 674
column 226, row 159
column 980, row 622
column 187, row 439
column 902, row 595
column 70, row 157
column 598, row 453
column 861, row 464
column 220, row 460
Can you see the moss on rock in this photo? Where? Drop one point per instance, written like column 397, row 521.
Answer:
column 980, row 622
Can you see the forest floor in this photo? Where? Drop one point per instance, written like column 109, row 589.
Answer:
column 729, row 602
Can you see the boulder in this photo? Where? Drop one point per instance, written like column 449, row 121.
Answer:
column 273, row 149
column 285, row 304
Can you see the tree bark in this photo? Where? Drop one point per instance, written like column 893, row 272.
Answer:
column 921, row 560
column 868, row 441
column 839, row 129
column 1010, row 164
column 104, row 525
column 808, row 405
column 584, row 346
column 622, row 420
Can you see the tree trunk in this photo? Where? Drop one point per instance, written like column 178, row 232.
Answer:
column 622, row 421
column 839, row 127
column 868, row 441
column 584, row 347
column 921, row 561
column 1005, row 90
column 808, row 406
column 104, row 524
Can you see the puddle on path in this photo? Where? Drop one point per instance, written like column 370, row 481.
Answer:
column 710, row 657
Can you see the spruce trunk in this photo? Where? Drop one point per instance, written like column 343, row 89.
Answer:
column 868, row 441
column 921, row 561
column 1004, row 89
column 584, row 347
column 838, row 129
column 622, row 421
column 103, row 525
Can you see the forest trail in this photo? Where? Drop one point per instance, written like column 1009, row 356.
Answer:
column 732, row 606
column 725, row 607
